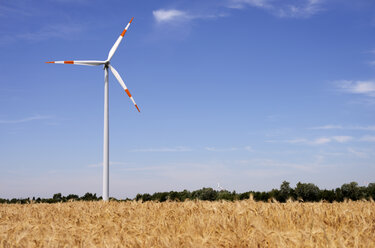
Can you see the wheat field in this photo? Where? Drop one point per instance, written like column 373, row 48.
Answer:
column 188, row 224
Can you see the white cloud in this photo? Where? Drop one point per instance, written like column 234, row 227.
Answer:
column 164, row 149
column 320, row 141
column 27, row 119
column 332, row 153
column 298, row 140
column 333, row 127
column 317, row 141
column 368, row 128
column 357, row 87
column 342, row 139
column 177, row 17
column 368, row 138
column 61, row 31
column 52, row 31
column 327, row 127
column 282, row 8
column 240, row 4
column 214, row 149
column 249, row 149
column 171, row 15
column 326, row 140
column 15, row 10
column 357, row 153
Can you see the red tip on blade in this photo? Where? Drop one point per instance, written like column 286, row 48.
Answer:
column 50, row 62
column 131, row 20
column 137, row 108
column 123, row 33
column 128, row 92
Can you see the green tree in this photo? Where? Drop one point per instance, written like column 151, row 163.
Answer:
column 370, row 191
column 225, row 195
column 72, row 197
column 146, row 197
column 244, row 196
column 351, row 191
column 285, row 191
column 89, row 197
column 174, row 196
column 57, row 197
column 274, row 193
column 182, row 196
column 205, row 194
column 160, row 196
column 328, row 195
column 307, row 191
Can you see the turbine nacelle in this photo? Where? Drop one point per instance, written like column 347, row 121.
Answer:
column 106, row 64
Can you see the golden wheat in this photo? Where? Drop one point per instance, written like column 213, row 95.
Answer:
column 188, row 224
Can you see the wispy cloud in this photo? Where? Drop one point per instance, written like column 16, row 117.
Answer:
column 249, row 149
column 340, row 127
column 229, row 149
column 317, row 141
column 366, row 88
column 164, row 149
column 240, row 4
column 72, row 1
column 320, row 140
column 214, row 149
column 342, row 139
column 5, row 11
column 326, row 140
column 325, row 127
column 368, row 138
column 52, row 31
column 357, row 153
column 170, row 15
column 372, row 62
column 188, row 149
column 27, row 119
column 295, row 141
column 62, row 31
column 177, row 17
column 282, row 8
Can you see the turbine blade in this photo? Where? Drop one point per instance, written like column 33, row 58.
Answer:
column 79, row 62
column 119, row 79
column 118, row 41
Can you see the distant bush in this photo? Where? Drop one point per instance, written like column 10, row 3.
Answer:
column 303, row 191
column 307, row 191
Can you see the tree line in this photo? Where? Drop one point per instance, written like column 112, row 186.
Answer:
column 306, row 192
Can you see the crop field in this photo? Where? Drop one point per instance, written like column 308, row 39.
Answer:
column 188, row 224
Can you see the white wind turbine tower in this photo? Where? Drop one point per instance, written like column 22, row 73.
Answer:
column 106, row 65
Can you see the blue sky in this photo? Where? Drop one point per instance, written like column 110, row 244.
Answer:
column 245, row 93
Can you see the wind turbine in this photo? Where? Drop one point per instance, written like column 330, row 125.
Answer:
column 106, row 65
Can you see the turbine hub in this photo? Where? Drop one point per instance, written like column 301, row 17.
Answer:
column 106, row 64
